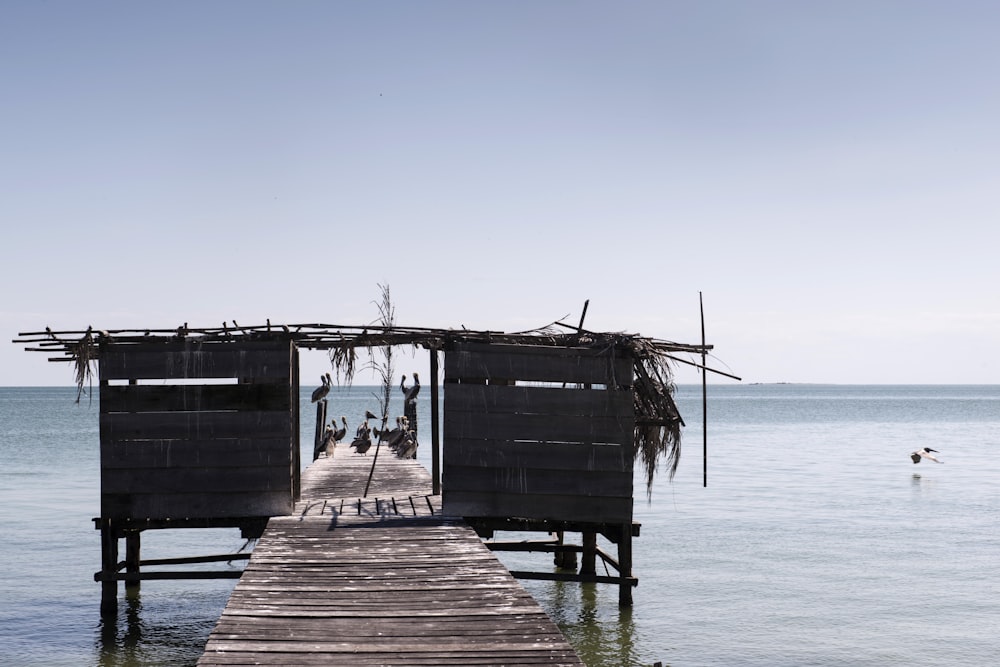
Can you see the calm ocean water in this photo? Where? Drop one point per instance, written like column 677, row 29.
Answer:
column 816, row 542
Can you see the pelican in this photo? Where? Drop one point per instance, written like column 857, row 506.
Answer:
column 362, row 443
column 369, row 415
column 410, row 395
column 407, row 448
column 339, row 434
column 320, row 392
column 393, row 437
column 325, row 442
column 925, row 453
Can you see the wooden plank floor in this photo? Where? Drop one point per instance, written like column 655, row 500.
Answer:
column 385, row 580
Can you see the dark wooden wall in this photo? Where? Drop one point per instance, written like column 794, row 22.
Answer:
column 538, row 433
column 176, row 447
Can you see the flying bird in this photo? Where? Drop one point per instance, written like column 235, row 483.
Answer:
column 925, row 453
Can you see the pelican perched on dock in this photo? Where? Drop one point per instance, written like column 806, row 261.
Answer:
column 407, row 448
column 325, row 442
column 362, row 437
column 320, row 392
column 339, row 434
column 362, row 443
column 925, row 453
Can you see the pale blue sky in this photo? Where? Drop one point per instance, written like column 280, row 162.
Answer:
column 827, row 174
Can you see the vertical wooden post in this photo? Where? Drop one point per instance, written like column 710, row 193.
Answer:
column 564, row 559
column 132, row 560
column 109, row 568
column 625, row 565
column 435, row 428
column 588, row 563
column 320, row 426
column 704, row 397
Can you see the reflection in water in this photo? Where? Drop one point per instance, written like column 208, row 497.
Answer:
column 161, row 628
column 121, row 634
column 602, row 632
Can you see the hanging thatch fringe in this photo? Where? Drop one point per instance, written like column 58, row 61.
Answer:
column 83, row 353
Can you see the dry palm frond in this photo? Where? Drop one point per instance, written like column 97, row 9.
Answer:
column 343, row 359
column 384, row 368
column 83, row 354
column 657, row 420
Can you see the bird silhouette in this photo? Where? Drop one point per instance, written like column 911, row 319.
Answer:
column 410, row 395
column 320, row 392
column 925, row 453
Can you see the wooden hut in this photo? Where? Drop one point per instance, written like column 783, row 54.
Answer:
column 199, row 428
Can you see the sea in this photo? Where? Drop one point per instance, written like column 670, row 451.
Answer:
column 814, row 539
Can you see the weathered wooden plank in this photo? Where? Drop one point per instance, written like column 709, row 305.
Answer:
column 195, row 505
column 536, row 482
column 195, row 360
column 552, row 658
column 164, row 398
column 503, row 426
column 339, row 589
column 193, row 425
column 547, row 455
column 537, row 364
column 549, row 401
column 235, row 452
column 536, row 506
column 246, row 480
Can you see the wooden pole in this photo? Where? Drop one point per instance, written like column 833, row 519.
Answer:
column 704, row 399
column 588, row 562
column 109, row 567
column 320, row 425
column 435, row 428
column 625, row 565
column 132, row 559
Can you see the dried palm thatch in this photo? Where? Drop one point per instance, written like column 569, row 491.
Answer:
column 657, row 421
column 83, row 354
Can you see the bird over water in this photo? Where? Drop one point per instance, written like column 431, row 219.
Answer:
column 925, row 453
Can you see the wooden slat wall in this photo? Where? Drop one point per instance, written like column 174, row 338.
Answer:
column 190, row 450
column 542, row 452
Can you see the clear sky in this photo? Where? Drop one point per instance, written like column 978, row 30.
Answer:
column 826, row 174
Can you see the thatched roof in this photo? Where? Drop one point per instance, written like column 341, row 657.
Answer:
column 658, row 422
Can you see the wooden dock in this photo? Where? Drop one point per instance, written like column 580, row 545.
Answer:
column 383, row 580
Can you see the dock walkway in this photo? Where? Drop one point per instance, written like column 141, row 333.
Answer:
column 384, row 580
